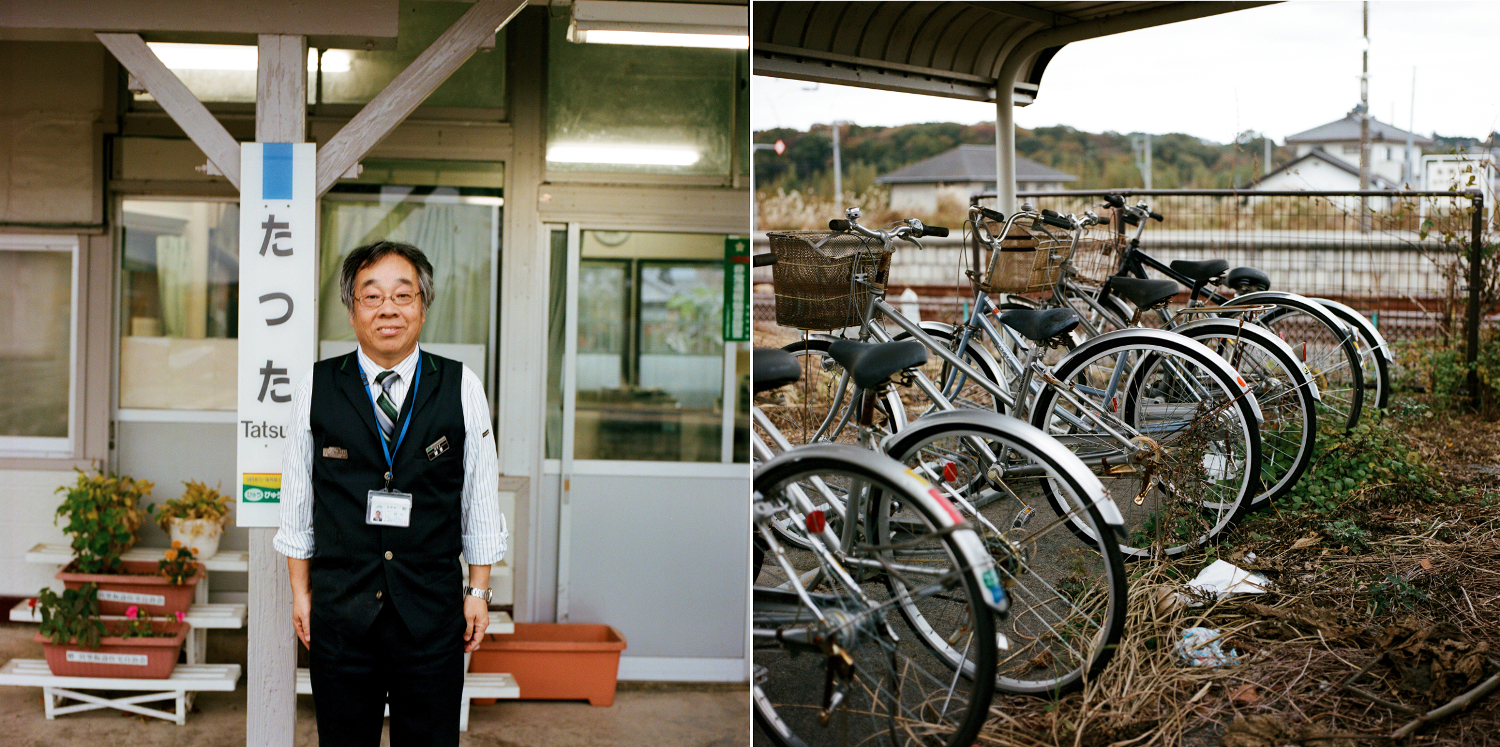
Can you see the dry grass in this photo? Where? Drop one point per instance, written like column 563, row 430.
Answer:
column 1333, row 613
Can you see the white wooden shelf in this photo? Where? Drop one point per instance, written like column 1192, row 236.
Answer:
column 186, row 679
column 232, row 561
column 205, row 616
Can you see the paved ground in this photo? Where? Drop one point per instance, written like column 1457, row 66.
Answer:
column 667, row 714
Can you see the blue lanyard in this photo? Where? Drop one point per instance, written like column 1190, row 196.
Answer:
column 417, row 381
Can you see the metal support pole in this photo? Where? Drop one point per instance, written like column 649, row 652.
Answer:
column 838, row 172
column 1476, row 278
column 1005, row 140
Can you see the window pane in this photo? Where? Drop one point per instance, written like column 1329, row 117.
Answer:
column 354, row 77
column 557, row 311
column 179, row 305
column 460, row 237
column 623, row 108
column 650, row 357
column 36, row 343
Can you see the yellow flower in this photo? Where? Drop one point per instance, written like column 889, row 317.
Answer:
column 172, row 554
column 176, row 544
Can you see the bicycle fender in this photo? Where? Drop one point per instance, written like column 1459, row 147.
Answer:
column 977, row 560
column 1262, row 336
column 1021, row 432
column 1306, row 304
column 1350, row 316
column 1147, row 336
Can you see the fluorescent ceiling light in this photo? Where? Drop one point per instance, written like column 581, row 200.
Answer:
column 660, row 24
column 622, row 154
column 662, row 39
column 236, row 57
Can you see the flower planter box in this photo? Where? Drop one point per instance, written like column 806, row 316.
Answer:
column 127, row 658
column 140, row 585
column 555, row 661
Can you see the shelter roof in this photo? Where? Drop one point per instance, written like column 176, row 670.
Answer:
column 970, row 163
column 942, row 48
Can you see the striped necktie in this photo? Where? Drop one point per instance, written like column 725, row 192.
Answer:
column 384, row 407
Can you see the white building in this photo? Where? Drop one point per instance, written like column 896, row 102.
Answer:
column 959, row 173
column 1340, row 140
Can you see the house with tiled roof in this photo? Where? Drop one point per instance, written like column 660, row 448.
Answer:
column 961, row 172
column 1340, row 140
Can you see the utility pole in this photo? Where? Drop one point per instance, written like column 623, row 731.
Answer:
column 1142, row 147
column 1364, row 126
column 838, row 172
column 1409, row 175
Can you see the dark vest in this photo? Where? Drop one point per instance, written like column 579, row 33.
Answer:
column 351, row 577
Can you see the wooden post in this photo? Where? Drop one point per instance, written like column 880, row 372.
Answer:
column 271, row 682
column 523, row 286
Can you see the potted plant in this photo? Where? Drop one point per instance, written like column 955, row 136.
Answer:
column 196, row 519
column 103, row 514
column 77, row 643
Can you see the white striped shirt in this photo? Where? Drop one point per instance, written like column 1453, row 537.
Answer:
column 484, row 531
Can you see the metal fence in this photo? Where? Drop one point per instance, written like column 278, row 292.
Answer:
column 1401, row 258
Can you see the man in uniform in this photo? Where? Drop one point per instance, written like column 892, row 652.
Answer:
column 390, row 472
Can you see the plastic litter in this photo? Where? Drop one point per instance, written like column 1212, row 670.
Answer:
column 1221, row 579
column 1200, row 647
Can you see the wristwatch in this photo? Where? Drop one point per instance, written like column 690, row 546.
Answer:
column 487, row 595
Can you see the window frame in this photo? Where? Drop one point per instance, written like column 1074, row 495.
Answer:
column 50, row 449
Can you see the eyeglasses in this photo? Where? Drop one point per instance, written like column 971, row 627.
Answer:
column 376, row 300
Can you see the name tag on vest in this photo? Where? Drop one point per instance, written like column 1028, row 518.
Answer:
column 437, row 448
column 334, row 452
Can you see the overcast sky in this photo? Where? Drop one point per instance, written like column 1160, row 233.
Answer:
column 1278, row 69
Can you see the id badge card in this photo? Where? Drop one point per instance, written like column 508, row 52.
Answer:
column 388, row 509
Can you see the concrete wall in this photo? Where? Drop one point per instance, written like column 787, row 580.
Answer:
column 51, row 105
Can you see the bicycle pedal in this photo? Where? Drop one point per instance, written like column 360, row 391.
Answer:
column 1022, row 517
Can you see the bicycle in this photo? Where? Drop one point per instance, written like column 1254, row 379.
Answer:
column 1066, row 596
column 833, row 664
column 1283, row 386
column 1176, row 388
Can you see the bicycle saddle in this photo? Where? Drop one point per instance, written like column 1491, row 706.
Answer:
column 1245, row 279
column 1201, row 271
column 1145, row 293
column 870, row 364
column 771, row 368
column 1040, row 325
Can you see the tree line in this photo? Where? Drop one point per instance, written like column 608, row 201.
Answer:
column 1100, row 160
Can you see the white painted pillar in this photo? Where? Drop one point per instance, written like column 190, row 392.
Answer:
column 1005, row 139
column 271, row 682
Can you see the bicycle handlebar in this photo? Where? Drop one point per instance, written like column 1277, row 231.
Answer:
column 994, row 215
column 838, row 225
column 934, row 231
column 763, row 260
column 1051, row 218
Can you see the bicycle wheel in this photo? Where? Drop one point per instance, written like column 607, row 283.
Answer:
column 1067, row 594
column 1323, row 343
column 1374, row 353
column 1283, row 388
column 800, row 410
column 834, row 662
column 1192, row 462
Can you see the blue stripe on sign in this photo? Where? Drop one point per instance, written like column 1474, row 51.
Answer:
column 276, row 171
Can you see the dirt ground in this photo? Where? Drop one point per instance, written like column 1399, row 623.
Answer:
column 1382, row 611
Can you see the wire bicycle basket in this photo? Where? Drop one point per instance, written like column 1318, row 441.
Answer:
column 1028, row 259
column 814, row 276
column 1098, row 254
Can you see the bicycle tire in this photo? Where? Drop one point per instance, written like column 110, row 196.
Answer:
column 1324, row 343
column 894, row 689
column 1175, row 391
column 1374, row 353
column 1067, row 596
column 1283, row 388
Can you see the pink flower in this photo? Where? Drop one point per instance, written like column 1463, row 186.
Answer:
column 180, row 616
column 132, row 611
column 31, row 602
